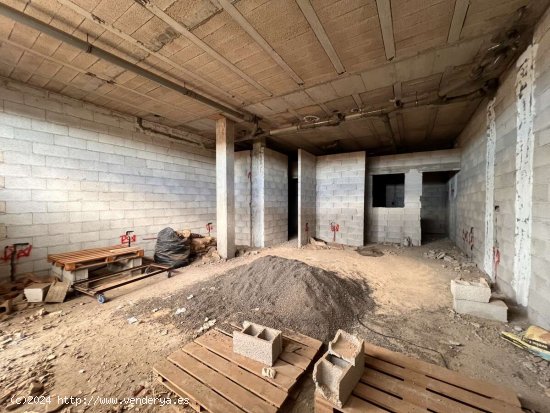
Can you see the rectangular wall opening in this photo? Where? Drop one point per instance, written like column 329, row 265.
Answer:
column 388, row 191
column 434, row 213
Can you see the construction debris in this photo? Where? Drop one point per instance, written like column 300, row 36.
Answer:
column 474, row 298
column 340, row 368
column 269, row 372
column 535, row 340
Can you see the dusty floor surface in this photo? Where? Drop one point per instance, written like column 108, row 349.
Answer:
column 83, row 349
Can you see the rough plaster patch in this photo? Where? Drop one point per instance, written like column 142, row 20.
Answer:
column 490, row 188
column 525, row 100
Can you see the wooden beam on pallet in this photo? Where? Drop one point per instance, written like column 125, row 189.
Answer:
column 318, row 29
column 386, row 24
column 180, row 28
column 252, row 32
column 459, row 16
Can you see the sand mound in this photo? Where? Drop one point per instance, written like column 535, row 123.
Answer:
column 276, row 292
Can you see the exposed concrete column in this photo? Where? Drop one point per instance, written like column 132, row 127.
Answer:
column 258, row 193
column 225, row 187
column 307, row 196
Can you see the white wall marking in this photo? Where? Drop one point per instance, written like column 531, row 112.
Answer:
column 490, row 188
column 525, row 84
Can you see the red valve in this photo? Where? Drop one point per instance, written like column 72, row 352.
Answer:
column 8, row 251
column 334, row 228
column 125, row 238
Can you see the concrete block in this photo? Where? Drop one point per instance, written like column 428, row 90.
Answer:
column 494, row 310
column 340, row 368
column 471, row 290
column 36, row 293
column 258, row 342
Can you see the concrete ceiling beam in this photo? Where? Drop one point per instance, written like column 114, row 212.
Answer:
column 257, row 37
column 181, row 29
column 110, row 28
column 459, row 16
column 386, row 25
column 321, row 34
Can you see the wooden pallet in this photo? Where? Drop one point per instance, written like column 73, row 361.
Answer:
column 393, row 382
column 74, row 260
column 216, row 380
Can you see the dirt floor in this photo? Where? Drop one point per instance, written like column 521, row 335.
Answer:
column 83, row 349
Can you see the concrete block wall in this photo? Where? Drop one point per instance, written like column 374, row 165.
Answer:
column 74, row 176
column 394, row 224
column 539, row 293
column 275, row 197
column 243, row 186
column 471, row 186
column 306, row 196
column 340, row 187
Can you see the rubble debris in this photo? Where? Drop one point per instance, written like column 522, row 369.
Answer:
column 269, row 372
column 180, row 310
column 207, row 325
column 36, row 292
column 340, row 368
column 258, row 342
column 470, row 290
column 133, row 320
column 535, row 340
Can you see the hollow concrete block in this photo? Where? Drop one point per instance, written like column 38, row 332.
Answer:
column 339, row 370
column 258, row 342
column 471, row 290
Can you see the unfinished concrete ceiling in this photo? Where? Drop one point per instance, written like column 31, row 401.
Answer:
column 422, row 65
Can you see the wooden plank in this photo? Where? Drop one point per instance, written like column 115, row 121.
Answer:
column 255, row 384
column 353, row 405
column 187, row 386
column 443, row 374
column 241, row 397
column 57, row 292
column 413, row 394
column 386, row 24
column 192, row 403
column 295, row 359
column 321, row 34
column 456, row 393
column 459, row 15
column 384, row 400
column 301, row 349
column 220, row 344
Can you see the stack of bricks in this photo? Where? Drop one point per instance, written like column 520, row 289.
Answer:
column 474, row 298
column 341, row 197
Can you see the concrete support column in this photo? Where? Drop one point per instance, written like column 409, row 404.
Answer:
column 258, row 166
column 225, row 187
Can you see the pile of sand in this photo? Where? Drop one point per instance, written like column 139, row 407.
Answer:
column 276, row 292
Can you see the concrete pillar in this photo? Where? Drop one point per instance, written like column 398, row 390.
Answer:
column 307, row 196
column 225, row 187
column 258, row 193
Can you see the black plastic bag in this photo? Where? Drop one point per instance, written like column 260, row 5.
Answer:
column 171, row 249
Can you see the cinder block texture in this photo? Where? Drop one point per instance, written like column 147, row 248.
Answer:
column 340, row 198
column 306, row 196
column 471, row 290
column 493, row 310
column 340, row 368
column 73, row 180
column 243, row 187
column 258, row 342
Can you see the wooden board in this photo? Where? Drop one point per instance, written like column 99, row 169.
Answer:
column 57, row 292
column 76, row 259
column 215, row 379
column 393, row 382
